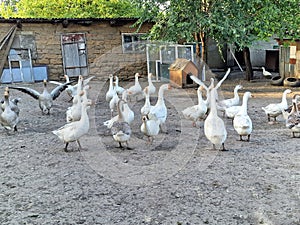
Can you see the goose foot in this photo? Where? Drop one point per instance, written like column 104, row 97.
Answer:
column 150, row 140
column 223, row 149
column 214, row 147
column 79, row 145
column 294, row 135
column 248, row 138
column 66, row 147
column 120, row 145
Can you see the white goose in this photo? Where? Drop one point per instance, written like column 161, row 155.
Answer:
column 74, row 112
column 150, row 127
column 293, row 117
column 147, row 106
column 151, row 87
column 275, row 109
column 75, row 130
column 118, row 88
column 160, row 109
column 214, row 127
column 111, row 91
column 242, row 122
column 136, row 89
column 196, row 112
column 45, row 98
column 223, row 104
column 8, row 118
column 120, row 129
column 114, row 101
column 13, row 103
column 266, row 74
column 127, row 113
column 208, row 89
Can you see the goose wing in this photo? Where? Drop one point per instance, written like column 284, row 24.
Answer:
column 87, row 80
column 58, row 90
column 55, row 82
column 224, row 78
column 198, row 81
column 33, row 93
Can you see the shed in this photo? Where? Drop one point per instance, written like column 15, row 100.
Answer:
column 289, row 58
column 180, row 70
column 95, row 47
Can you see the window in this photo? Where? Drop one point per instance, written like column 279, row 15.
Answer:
column 133, row 43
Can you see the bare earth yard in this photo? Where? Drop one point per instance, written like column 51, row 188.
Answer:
column 178, row 179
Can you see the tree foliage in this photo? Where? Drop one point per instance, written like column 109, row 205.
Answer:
column 68, row 9
column 228, row 21
column 238, row 22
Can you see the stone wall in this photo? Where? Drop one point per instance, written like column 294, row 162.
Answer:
column 104, row 47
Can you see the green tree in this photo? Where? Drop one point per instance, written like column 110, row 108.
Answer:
column 68, row 9
column 238, row 22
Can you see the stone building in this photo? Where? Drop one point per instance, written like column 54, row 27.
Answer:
column 95, row 47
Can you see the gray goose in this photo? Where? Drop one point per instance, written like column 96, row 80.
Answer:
column 12, row 102
column 8, row 118
column 45, row 98
column 121, row 130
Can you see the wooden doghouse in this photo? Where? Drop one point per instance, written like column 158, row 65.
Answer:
column 179, row 73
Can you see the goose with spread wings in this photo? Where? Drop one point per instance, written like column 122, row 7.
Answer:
column 45, row 98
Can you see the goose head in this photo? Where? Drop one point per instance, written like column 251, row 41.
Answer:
column 144, row 119
column 116, row 79
column 239, row 87
column 146, row 90
column 287, row 91
column 6, row 94
column 248, row 94
column 67, row 78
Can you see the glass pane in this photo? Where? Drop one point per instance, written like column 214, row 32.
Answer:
column 127, row 38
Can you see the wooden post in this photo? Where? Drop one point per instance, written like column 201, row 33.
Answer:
column 249, row 71
column 7, row 50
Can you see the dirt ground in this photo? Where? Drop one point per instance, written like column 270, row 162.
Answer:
column 178, row 179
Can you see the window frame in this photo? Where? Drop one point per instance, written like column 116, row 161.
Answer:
column 135, row 45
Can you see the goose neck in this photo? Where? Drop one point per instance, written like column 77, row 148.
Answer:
column 200, row 99
column 110, row 82
column 120, row 110
column 245, row 104
column 283, row 100
column 235, row 91
column 213, row 105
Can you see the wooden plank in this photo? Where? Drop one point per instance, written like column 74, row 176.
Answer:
column 7, row 50
column 6, row 36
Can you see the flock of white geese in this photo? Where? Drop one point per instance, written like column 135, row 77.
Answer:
column 153, row 117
